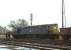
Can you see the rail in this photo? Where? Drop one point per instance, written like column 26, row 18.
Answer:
column 34, row 45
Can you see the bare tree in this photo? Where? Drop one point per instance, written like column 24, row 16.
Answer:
column 20, row 23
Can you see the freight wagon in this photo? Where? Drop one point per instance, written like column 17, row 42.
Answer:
column 48, row 31
column 65, row 33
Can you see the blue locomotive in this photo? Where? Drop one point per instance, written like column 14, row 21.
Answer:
column 47, row 31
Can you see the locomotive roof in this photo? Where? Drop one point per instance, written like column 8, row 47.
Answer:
column 42, row 25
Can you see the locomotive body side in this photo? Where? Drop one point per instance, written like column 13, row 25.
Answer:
column 40, row 32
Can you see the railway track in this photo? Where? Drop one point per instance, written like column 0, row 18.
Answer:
column 55, row 44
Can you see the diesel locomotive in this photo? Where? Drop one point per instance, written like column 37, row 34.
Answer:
column 47, row 31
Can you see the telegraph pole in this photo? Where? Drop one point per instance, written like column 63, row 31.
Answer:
column 63, row 15
column 31, row 18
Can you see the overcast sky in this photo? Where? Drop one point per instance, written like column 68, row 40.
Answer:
column 44, row 11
